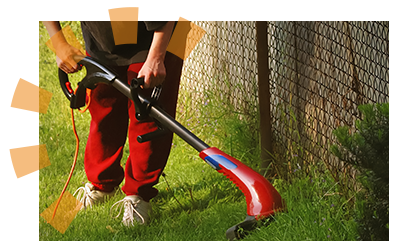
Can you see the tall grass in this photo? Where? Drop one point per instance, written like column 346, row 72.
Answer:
column 316, row 211
column 212, row 112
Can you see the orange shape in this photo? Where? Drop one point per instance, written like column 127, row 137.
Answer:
column 44, row 160
column 185, row 37
column 29, row 159
column 26, row 96
column 67, row 209
column 25, row 160
column 30, row 97
column 124, row 14
column 194, row 37
column 44, row 100
column 69, row 37
column 177, row 44
column 125, row 32
column 124, row 24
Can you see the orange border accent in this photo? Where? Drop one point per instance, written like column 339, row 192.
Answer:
column 30, row 97
column 68, row 208
column 185, row 38
column 124, row 24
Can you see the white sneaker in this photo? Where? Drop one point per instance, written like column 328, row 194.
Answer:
column 136, row 210
column 88, row 196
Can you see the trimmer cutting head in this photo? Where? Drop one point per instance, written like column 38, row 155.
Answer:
column 262, row 199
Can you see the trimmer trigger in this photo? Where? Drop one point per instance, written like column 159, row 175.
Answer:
column 68, row 85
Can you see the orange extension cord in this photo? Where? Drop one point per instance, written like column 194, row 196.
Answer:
column 88, row 92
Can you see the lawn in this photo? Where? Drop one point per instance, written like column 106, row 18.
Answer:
column 195, row 202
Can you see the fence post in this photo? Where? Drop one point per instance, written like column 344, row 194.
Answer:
column 264, row 95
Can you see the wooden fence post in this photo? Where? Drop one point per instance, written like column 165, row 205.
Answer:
column 264, row 95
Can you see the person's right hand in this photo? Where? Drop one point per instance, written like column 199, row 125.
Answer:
column 65, row 53
column 63, row 66
column 66, row 61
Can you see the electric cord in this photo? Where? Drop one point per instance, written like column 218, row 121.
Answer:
column 76, row 150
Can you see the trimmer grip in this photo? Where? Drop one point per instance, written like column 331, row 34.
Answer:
column 77, row 100
column 65, row 84
column 261, row 197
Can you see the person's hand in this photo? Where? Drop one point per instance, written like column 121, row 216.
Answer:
column 63, row 66
column 153, row 71
column 65, row 53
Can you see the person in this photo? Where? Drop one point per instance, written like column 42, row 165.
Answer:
column 113, row 114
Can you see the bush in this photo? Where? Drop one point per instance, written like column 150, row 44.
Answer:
column 367, row 149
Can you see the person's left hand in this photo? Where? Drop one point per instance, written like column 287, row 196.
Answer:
column 153, row 71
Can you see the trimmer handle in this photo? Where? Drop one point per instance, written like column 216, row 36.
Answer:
column 95, row 73
column 140, row 107
column 77, row 99
column 65, row 84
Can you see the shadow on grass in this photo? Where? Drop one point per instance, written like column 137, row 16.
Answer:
column 198, row 196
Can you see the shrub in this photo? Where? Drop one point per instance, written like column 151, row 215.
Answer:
column 367, row 149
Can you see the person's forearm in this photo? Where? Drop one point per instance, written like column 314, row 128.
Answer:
column 153, row 70
column 52, row 27
column 64, row 51
column 160, row 41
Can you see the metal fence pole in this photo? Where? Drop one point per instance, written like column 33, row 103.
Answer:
column 264, row 95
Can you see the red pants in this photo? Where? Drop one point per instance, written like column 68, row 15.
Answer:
column 110, row 111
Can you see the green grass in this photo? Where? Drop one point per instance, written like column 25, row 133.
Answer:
column 316, row 211
column 195, row 202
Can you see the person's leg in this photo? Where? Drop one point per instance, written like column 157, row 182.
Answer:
column 107, row 136
column 147, row 160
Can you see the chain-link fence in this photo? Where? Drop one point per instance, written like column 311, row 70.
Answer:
column 219, row 78
column 319, row 73
column 224, row 62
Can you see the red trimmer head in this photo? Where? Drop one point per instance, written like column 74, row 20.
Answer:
column 262, row 199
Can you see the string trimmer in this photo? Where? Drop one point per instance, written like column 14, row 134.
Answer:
column 261, row 197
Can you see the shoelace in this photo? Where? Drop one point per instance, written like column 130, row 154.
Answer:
column 83, row 195
column 130, row 210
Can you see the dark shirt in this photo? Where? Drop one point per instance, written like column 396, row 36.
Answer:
column 99, row 42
